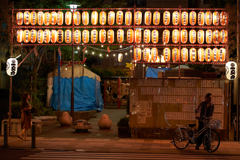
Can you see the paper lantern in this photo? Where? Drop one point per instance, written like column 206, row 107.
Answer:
column 60, row 36
column 146, row 36
column 26, row 36
column 222, row 54
column 147, row 54
column 208, row 18
column 175, row 36
column 53, row 18
column 40, row 36
column 33, row 36
column 193, row 54
column 19, row 36
column 19, row 18
column 166, row 17
column 111, row 17
column 184, row 18
column 94, row 17
column 102, row 17
column 85, row 18
column 192, row 18
column 53, row 36
column 130, row 36
column 94, row 36
column 119, row 17
column 147, row 18
column 110, row 36
column 184, row 36
column 138, row 18
column 128, row 18
column 223, row 36
column 60, row 18
column 223, row 18
column 154, row 54
column 209, row 36
column 175, row 18
column 201, row 16
column 120, row 57
column 200, row 36
column 216, row 18
column 33, row 18
column 47, row 18
column 208, row 54
column 102, row 35
column 77, row 36
column 120, row 35
column 216, row 36
column 231, row 68
column 77, row 18
column 68, row 18
column 165, row 36
column 85, row 36
column 175, row 55
column 138, row 35
column 137, row 54
column 201, row 54
column 156, row 18
column 167, row 54
column 184, row 54
column 215, row 55
column 155, row 36
column 26, row 17
column 46, row 36
column 192, row 36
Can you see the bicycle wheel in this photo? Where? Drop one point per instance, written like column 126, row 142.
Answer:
column 181, row 138
column 211, row 141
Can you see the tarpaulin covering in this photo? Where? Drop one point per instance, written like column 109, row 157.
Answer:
column 153, row 72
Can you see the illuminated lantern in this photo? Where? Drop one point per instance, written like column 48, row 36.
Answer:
column 53, row 36
column 201, row 54
column 201, row 18
column 77, row 36
column 156, row 18
column 193, row 55
column 216, row 18
column 216, row 36
column 138, row 18
column 208, row 54
column 154, row 54
column 111, row 17
column 175, row 18
column 137, row 54
column 200, row 36
column 94, row 36
column 47, row 18
column 119, row 17
column 19, row 36
column 102, row 17
column 147, row 18
column 128, row 18
column 215, row 55
column 120, row 35
column 222, row 54
column 40, row 36
column 223, row 18
column 192, row 36
column 26, row 36
column 53, row 18
column 60, row 35
column 40, row 18
column 110, row 36
column 94, row 17
column 138, row 35
column 192, row 18
column 184, row 36
column 155, row 36
column 60, row 18
column 33, row 18
column 146, row 36
column 166, row 17
column 223, row 36
column 175, row 36
column 102, row 35
column 147, row 54
column 120, row 57
column 184, row 18
column 46, row 36
column 77, row 18
column 175, row 55
column 26, row 17
column 85, row 18
column 68, row 18
column 208, row 18
column 209, row 36
column 167, row 54
column 165, row 36
column 184, row 54
column 33, row 36
column 130, row 36
column 85, row 36
column 19, row 18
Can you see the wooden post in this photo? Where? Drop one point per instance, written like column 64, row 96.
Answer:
column 119, row 92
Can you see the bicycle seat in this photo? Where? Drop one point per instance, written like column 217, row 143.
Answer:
column 192, row 125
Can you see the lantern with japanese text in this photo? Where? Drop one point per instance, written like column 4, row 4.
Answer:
column 184, row 18
column 137, row 54
column 33, row 18
column 215, row 55
column 222, row 54
column 175, row 36
column 208, row 18
column 53, row 36
column 223, row 18
column 167, row 54
column 216, row 36
column 47, row 18
column 102, row 35
column 146, row 36
column 184, row 36
column 184, row 54
column 201, row 54
column 46, row 36
column 208, row 54
column 216, row 18
column 60, row 18
column 110, row 36
column 119, row 17
column 156, row 18
column 166, row 18
column 77, row 36
column 111, row 18
column 192, row 18
column 154, row 54
column 33, row 36
column 68, row 18
column 19, row 36
column 223, row 36
column 85, row 18
column 147, row 18
column 175, row 55
column 53, row 20
column 138, row 18
column 209, row 36
column 130, row 36
column 102, row 17
column 94, row 17
column 77, row 18
column 19, row 18
column 26, row 36
column 40, row 36
column 200, row 36
column 40, row 18
column 138, row 35
column 175, row 18
column 192, row 36
column 94, row 36
column 201, row 16
column 155, row 36
column 26, row 17
column 128, row 18
column 165, row 36
column 60, row 35
column 193, row 54
column 85, row 36
column 120, row 35
column 147, row 54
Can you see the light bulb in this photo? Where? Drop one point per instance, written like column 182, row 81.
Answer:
column 126, row 54
column 120, row 46
column 93, row 53
column 78, row 48
column 100, row 55
column 102, row 46
column 86, row 51
column 131, row 51
column 107, row 55
column 114, row 55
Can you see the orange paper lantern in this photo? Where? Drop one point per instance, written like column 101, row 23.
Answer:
column 146, row 36
column 111, row 18
column 138, row 35
column 209, row 36
column 201, row 16
column 40, row 18
column 156, row 18
column 175, row 36
column 215, row 55
column 223, row 36
column 147, row 18
column 138, row 18
column 222, row 54
column 53, row 18
column 208, row 18
column 184, row 54
column 184, row 18
column 33, row 18
column 175, row 55
column 175, row 18
column 147, row 54
column 155, row 36
column 85, row 18
column 200, row 36
column 216, row 36
column 208, row 54
column 46, row 36
column 77, row 36
column 119, row 17
column 33, row 36
column 19, row 36
column 192, row 18
column 94, row 17
column 60, row 36
column 68, row 18
column 223, row 18
column 40, row 36
column 192, row 36
column 102, row 35
column 102, row 17
column 26, row 17
column 60, row 18
column 137, row 54
column 193, row 55
column 53, row 36
column 77, row 18
column 166, row 36
column 167, row 54
column 166, row 17
column 110, row 36
column 85, row 36
column 94, row 36
column 19, row 18
column 201, row 54
column 47, row 18
column 128, row 18
column 130, row 36
column 216, row 18
column 26, row 36
column 184, row 36
column 154, row 54
column 120, row 35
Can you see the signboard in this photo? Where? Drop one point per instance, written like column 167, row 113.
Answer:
column 12, row 65
column 231, row 70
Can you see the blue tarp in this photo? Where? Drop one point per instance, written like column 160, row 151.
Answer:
column 153, row 72
column 87, row 94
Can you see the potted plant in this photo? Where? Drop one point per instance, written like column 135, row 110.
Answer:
column 123, row 128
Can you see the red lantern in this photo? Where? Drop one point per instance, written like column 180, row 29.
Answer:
column 102, row 35
column 155, row 36
column 120, row 35
column 19, row 18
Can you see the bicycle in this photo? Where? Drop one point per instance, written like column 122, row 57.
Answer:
column 188, row 135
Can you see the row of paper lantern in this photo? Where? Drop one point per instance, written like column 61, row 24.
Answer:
column 60, row 36
column 111, row 18
column 192, row 55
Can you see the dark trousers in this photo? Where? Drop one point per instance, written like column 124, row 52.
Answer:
column 200, row 138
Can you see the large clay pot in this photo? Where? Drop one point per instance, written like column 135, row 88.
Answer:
column 105, row 122
column 65, row 119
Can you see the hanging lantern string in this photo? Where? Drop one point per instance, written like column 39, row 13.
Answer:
column 117, row 50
